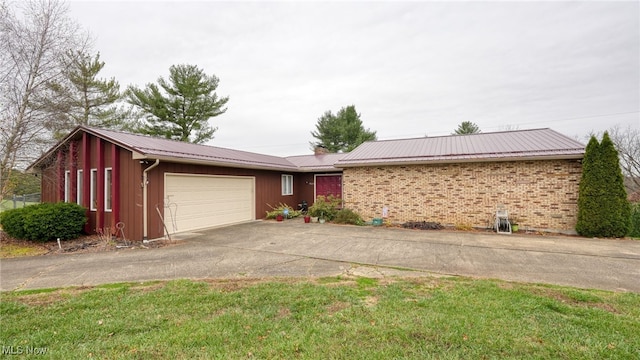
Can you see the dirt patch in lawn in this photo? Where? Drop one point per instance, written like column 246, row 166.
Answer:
column 10, row 247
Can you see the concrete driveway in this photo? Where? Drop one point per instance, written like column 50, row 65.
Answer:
column 294, row 249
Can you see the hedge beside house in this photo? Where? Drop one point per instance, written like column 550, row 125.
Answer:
column 46, row 221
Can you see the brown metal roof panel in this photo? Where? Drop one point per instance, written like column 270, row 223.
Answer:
column 150, row 147
column 462, row 158
column 322, row 162
column 476, row 146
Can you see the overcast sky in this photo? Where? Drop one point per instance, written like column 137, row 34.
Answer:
column 410, row 68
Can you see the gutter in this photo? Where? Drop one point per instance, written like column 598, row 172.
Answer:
column 145, row 189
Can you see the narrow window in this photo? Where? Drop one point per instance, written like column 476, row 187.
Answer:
column 67, row 186
column 107, row 189
column 94, row 190
column 287, row 184
column 79, row 188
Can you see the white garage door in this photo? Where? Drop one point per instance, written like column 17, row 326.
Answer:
column 201, row 201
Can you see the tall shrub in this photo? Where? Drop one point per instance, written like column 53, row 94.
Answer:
column 603, row 209
column 615, row 207
column 589, row 190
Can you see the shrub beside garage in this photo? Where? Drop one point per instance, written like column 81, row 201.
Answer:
column 44, row 222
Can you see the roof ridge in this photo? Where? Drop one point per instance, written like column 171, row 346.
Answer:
column 458, row 135
column 156, row 138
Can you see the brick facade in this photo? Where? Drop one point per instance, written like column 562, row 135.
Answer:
column 542, row 195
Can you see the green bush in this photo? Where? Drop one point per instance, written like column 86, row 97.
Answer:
column 46, row 221
column 348, row 216
column 12, row 222
column 325, row 207
column 635, row 221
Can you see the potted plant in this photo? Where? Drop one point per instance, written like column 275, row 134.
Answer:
column 514, row 225
column 325, row 207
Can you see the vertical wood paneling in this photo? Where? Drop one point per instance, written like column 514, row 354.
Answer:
column 60, row 176
column 130, row 199
column 73, row 166
column 86, row 179
column 100, row 191
column 115, row 186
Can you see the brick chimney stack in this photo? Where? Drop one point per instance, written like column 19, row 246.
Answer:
column 320, row 150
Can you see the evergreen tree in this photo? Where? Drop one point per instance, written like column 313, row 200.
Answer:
column 179, row 108
column 616, row 216
column 342, row 132
column 80, row 97
column 603, row 209
column 589, row 191
column 466, row 127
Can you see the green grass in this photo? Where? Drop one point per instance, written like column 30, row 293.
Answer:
column 7, row 204
column 13, row 250
column 452, row 318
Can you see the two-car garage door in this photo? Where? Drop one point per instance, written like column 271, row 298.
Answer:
column 201, row 201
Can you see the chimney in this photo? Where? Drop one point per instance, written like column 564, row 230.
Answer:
column 320, row 150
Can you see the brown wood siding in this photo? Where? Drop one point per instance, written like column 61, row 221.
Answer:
column 268, row 190
column 130, row 198
column 130, row 195
column 49, row 185
column 303, row 188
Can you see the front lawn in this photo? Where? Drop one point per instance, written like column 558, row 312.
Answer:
column 346, row 318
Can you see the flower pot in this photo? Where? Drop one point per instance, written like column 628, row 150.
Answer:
column 514, row 227
column 307, row 219
column 314, row 219
column 279, row 217
column 321, row 221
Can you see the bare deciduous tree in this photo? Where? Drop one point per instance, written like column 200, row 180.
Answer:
column 31, row 46
column 627, row 142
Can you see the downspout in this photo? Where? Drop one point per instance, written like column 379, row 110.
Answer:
column 145, row 183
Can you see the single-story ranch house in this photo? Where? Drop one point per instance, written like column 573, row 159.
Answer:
column 148, row 183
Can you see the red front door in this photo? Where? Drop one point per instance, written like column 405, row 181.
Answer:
column 329, row 185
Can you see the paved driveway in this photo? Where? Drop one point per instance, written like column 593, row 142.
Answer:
column 292, row 248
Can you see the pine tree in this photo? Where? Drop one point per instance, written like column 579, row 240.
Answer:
column 179, row 108
column 466, row 127
column 342, row 132
column 81, row 98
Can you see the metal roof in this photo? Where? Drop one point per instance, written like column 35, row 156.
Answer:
column 147, row 147
column 320, row 162
column 533, row 144
column 152, row 147
column 501, row 146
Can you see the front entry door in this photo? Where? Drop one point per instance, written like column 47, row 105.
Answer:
column 328, row 185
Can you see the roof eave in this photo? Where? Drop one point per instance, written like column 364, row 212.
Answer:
column 36, row 164
column 318, row 169
column 139, row 156
column 402, row 162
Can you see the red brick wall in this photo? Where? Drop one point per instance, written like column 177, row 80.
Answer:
column 542, row 195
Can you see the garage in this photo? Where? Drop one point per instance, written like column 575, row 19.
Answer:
column 202, row 201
